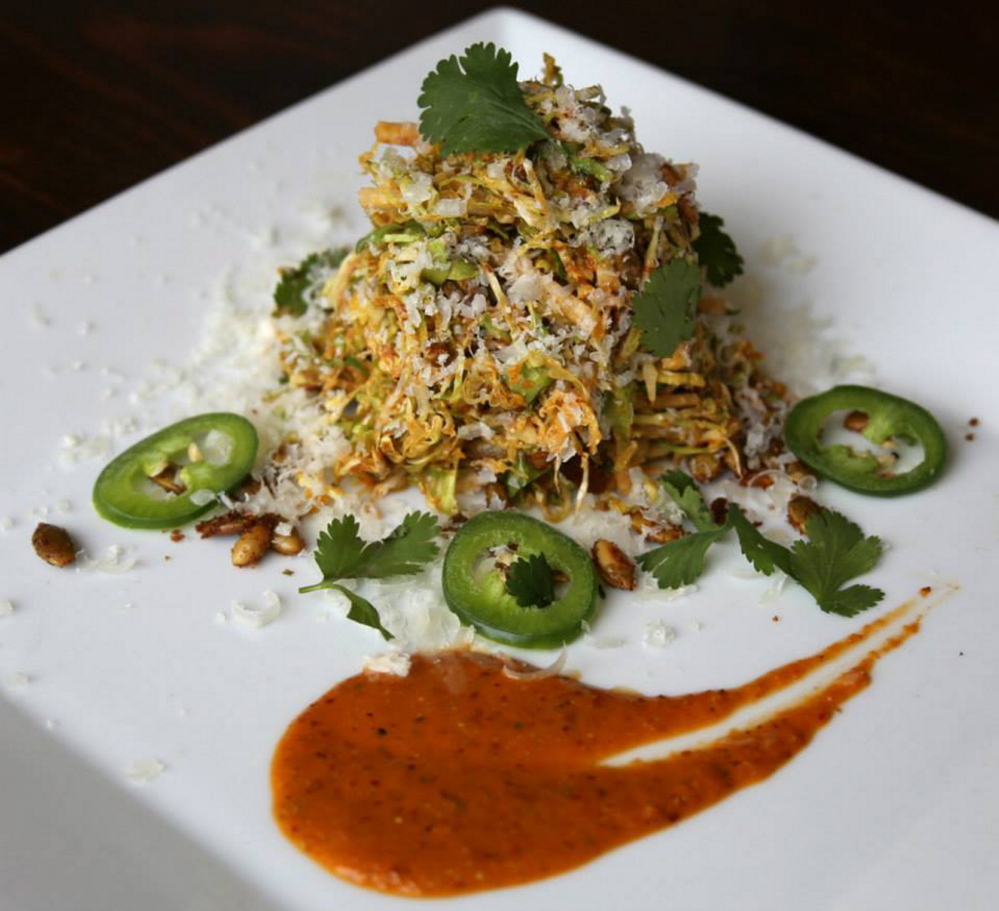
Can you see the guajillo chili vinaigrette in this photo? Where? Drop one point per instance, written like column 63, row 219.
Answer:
column 460, row 777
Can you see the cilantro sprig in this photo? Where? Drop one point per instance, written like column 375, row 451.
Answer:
column 834, row 552
column 683, row 491
column 682, row 561
column 291, row 296
column 341, row 554
column 716, row 252
column 531, row 582
column 666, row 308
column 474, row 104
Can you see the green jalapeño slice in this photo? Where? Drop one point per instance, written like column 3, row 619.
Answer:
column 476, row 589
column 173, row 476
column 884, row 418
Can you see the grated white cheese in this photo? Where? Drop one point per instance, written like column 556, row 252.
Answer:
column 389, row 663
column 6, row 608
column 217, row 447
column 648, row 588
column 412, row 609
column 81, row 448
column 6, row 523
column 418, row 189
column 799, row 345
column 17, row 680
column 476, row 430
column 450, row 208
column 603, row 642
column 116, row 559
column 525, row 287
column 773, row 591
column 258, row 617
column 658, row 634
column 588, row 525
column 143, row 771
column 611, row 236
column 783, row 251
column 643, row 184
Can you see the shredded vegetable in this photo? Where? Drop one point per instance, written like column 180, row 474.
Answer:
column 482, row 335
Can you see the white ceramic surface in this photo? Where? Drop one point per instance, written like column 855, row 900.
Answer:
column 895, row 805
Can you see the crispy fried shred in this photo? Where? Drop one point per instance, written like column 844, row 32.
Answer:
column 481, row 335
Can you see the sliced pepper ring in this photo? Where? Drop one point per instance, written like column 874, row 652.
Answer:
column 888, row 417
column 126, row 494
column 477, row 593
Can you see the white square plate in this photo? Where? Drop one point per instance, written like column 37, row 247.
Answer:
column 895, row 805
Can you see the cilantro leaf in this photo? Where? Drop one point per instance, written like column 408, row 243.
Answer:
column 851, row 601
column 764, row 554
column 836, row 552
column 341, row 553
column 291, row 296
column 474, row 104
column 680, row 562
column 405, row 550
column 665, row 309
column 340, row 549
column 683, row 491
column 716, row 251
column 362, row 611
column 530, row 582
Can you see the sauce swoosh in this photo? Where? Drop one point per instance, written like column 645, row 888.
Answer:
column 459, row 778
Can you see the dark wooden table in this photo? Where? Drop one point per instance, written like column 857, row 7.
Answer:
column 99, row 95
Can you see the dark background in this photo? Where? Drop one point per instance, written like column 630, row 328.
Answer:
column 97, row 96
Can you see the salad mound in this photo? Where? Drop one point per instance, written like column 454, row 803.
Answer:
column 532, row 324
column 532, row 320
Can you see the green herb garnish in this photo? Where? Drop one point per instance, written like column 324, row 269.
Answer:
column 682, row 489
column 474, row 104
column 666, row 308
column 530, row 582
column 341, row 553
column 834, row 552
column 716, row 251
column 680, row 562
column 291, row 293
column 764, row 554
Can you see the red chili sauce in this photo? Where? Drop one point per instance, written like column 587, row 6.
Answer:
column 458, row 778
